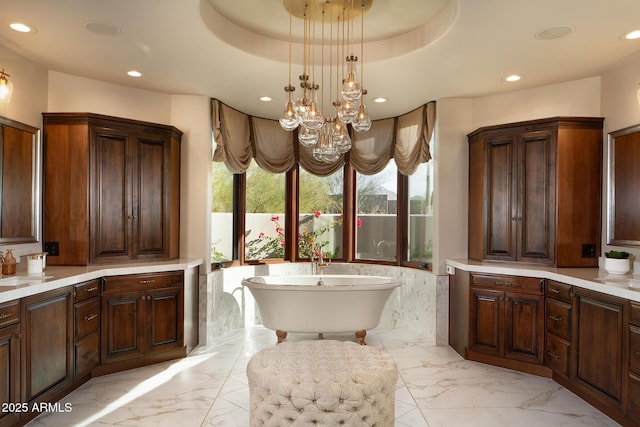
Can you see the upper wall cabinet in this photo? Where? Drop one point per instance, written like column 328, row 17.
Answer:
column 20, row 196
column 534, row 192
column 623, row 221
column 111, row 189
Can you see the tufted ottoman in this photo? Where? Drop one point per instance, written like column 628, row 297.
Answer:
column 322, row 383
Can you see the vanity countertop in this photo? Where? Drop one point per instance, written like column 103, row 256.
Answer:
column 22, row 284
column 623, row 286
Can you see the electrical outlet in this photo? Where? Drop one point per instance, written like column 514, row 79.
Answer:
column 52, row 248
column 450, row 269
column 588, row 250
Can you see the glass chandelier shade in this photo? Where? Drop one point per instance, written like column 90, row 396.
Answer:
column 327, row 135
column 289, row 118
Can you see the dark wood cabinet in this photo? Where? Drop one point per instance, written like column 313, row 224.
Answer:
column 600, row 347
column 633, row 372
column 142, row 318
column 111, row 188
column 47, row 354
column 9, row 361
column 506, row 317
column 558, row 321
column 527, row 180
column 86, row 328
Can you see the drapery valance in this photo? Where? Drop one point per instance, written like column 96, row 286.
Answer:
column 239, row 137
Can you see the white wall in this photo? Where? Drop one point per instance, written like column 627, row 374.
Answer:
column 68, row 93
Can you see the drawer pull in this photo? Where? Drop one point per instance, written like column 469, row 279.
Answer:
column 556, row 318
column 5, row 315
column 552, row 354
column 90, row 317
column 555, row 291
column 89, row 355
column 504, row 284
column 92, row 289
column 146, row 282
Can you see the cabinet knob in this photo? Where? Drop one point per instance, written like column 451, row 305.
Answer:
column 555, row 318
column 552, row 354
column 90, row 317
column 149, row 297
column 18, row 336
column 554, row 290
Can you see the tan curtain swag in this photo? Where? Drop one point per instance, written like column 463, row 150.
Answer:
column 239, row 137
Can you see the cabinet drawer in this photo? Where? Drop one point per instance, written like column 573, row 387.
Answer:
column 141, row 281
column 560, row 291
column 86, row 354
column 9, row 313
column 634, row 313
column 634, row 349
column 86, row 290
column 558, row 319
column 557, row 355
column 87, row 317
column 510, row 283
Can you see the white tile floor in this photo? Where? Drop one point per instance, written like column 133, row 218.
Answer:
column 436, row 387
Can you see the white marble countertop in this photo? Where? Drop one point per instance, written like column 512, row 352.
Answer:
column 623, row 286
column 22, row 284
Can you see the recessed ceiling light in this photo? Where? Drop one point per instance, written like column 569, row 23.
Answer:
column 134, row 73
column 554, row 32
column 632, row 35
column 265, row 98
column 19, row 26
column 380, row 100
column 512, row 78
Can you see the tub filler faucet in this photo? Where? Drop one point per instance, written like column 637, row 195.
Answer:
column 319, row 264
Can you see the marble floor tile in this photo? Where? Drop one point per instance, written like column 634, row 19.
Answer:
column 436, row 388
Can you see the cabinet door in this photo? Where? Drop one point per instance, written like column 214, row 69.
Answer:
column 535, row 216
column 123, row 327
column 600, row 345
column 165, row 319
column 47, row 352
column 110, row 196
column 500, row 203
column 524, row 330
column 485, row 321
column 9, row 372
column 151, row 191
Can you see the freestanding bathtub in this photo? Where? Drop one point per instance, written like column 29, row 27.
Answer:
column 327, row 303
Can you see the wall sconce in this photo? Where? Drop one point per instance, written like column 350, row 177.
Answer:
column 6, row 87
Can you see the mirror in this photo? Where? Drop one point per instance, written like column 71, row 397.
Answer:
column 20, row 151
column 623, row 221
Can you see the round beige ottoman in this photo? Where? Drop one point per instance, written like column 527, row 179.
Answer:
column 322, row 383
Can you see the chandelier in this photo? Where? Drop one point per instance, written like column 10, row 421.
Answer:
column 325, row 129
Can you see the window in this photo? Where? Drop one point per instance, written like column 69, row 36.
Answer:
column 320, row 215
column 420, row 215
column 377, row 209
column 264, row 214
column 221, row 214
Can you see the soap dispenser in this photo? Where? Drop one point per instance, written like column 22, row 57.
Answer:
column 9, row 263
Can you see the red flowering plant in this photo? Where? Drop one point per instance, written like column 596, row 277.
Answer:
column 310, row 241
